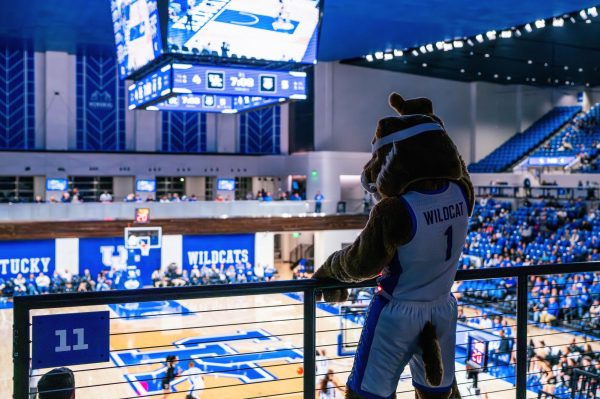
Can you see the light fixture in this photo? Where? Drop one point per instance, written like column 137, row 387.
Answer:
column 580, row 70
column 528, row 28
column 479, row 38
column 424, row 65
column 422, row 49
column 566, row 68
column 379, row 55
column 540, row 23
column 478, row 73
column 529, row 62
column 573, row 21
column 398, row 53
column 517, row 33
column 587, row 85
column 593, row 12
column 429, row 47
column 506, row 34
column 439, row 45
column 447, row 46
column 533, row 79
column 388, row 56
column 470, row 42
column 546, row 64
column 495, row 76
column 369, row 58
column 415, row 53
column 462, row 70
column 583, row 14
column 458, row 44
column 491, row 35
column 558, row 22
column 508, row 78
column 588, row 21
column 486, row 55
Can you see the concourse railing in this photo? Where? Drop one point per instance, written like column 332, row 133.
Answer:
column 278, row 324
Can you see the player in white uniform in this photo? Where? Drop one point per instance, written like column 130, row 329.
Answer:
column 194, row 375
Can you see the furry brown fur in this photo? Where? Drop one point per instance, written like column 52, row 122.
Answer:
column 423, row 161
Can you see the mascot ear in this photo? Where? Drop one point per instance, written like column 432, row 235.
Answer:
column 414, row 106
column 396, row 102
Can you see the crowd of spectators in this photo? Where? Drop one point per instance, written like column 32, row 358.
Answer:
column 174, row 276
column 542, row 233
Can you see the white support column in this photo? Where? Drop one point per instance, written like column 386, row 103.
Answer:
column 284, row 133
column 172, row 250
column 67, row 255
column 211, row 132
column 147, row 131
column 226, row 129
column 324, row 106
column 60, row 106
column 40, row 100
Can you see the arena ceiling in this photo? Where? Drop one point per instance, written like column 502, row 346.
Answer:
column 354, row 28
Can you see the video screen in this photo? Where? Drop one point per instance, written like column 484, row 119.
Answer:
column 145, row 186
column 137, row 33
column 57, row 184
column 212, row 103
column 225, row 184
column 273, row 30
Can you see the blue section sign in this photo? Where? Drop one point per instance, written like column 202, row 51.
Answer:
column 69, row 339
column 213, row 250
column 25, row 257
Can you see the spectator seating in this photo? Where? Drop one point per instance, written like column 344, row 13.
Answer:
column 523, row 143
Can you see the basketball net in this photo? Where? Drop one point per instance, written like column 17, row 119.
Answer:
column 144, row 248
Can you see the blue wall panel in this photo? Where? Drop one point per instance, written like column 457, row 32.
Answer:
column 183, row 131
column 100, row 103
column 17, row 109
column 260, row 131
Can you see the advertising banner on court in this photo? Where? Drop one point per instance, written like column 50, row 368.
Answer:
column 27, row 256
column 99, row 254
column 211, row 250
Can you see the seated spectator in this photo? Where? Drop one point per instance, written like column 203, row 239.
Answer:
column 268, row 197
column 193, row 198
column 86, row 282
column 43, row 283
column 65, row 198
column 295, row 197
column 195, row 276
column 58, row 283
column 20, row 285
column 105, row 197
column 58, row 383
column 38, row 199
column 270, row 272
column 102, row 283
column 158, row 278
column 31, row 285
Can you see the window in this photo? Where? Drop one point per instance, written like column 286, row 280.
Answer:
column 90, row 187
column 166, row 185
column 209, row 191
column 243, row 186
column 16, row 189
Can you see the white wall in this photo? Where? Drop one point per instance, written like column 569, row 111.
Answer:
column 264, row 249
column 327, row 242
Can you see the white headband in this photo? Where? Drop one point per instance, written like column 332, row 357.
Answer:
column 405, row 134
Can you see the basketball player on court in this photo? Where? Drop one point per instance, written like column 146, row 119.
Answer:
column 194, row 377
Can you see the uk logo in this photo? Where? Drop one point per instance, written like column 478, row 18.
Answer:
column 213, row 355
column 114, row 257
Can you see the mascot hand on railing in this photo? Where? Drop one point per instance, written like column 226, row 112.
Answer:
column 412, row 241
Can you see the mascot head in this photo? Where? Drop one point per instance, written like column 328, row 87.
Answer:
column 410, row 148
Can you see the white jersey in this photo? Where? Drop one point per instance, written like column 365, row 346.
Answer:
column 194, row 375
column 424, row 268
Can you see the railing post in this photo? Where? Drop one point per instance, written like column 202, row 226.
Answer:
column 521, row 366
column 309, row 343
column 20, row 350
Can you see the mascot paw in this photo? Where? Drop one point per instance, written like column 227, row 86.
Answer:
column 333, row 295
column 432, row 355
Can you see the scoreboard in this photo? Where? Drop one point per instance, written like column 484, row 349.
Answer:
column 190, row 87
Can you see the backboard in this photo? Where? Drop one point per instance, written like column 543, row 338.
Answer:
column 143, row 238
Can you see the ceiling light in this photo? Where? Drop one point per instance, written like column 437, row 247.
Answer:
column 424, row 65
column 517, row 33
column 545, row 64
column 439, row 45
column 508, row 78
column 478, row 73
column 580, row 69
column 566, row 68
column 566, row 82
column 462, row 70
column 593, row 12
column 429, row 47
column 458, row 44
column 388, row 56
column 398, row 53
column 479, row 38
column 588, row 21
column 527, row 79
column 558, row 22
column 495, row 76
column 422, row 49
column 587, row 85
column 528, row 28
column 369, row 58
column 415, row 53
column 529, row 62
column 506, row 34
column 533, row 79
column 379, row 55
column 447, row 46
column 573, row 21
column 487, row 55
column 540, row 23
column 491, row 35
column 583, row 14
column 470, row 42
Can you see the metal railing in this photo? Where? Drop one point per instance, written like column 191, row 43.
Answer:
column 23, row 307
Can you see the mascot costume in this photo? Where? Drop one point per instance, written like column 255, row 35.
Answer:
column 412, row 241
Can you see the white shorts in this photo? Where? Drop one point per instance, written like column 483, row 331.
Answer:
column 389, row 341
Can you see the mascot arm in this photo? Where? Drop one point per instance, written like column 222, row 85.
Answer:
column 389, row 226
column 467, row 185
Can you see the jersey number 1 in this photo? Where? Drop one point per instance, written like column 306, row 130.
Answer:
column 448, row 234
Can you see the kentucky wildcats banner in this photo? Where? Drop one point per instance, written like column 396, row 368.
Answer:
column 28, row 256
column 214, row 250
column 99, row 254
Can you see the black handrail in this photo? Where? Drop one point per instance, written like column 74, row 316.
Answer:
column 24, row 304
